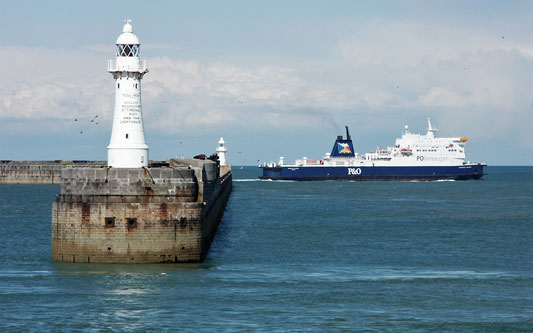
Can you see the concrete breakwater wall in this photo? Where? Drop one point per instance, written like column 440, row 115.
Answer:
column 143, row 215
column 39, row 172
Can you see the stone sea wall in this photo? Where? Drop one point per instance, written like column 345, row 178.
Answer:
column 39, row 172
column 163, row 214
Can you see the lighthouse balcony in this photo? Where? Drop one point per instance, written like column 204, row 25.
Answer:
column 140, row 66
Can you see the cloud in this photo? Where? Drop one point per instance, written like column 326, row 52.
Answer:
column 471, row 81
column 58, row 84
column 468, row 80
column 192, row 94
column 178, row 95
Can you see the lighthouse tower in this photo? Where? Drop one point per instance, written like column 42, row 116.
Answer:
column 221, row 151
column 127, row 148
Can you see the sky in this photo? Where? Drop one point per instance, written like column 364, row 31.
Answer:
column 274, row 78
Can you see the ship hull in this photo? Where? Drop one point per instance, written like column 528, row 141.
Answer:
column 369, row 173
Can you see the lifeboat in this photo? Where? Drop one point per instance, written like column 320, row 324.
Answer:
column 406, row 152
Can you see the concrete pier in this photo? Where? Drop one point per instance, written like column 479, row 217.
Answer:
column 141, row 215
column 39, row 172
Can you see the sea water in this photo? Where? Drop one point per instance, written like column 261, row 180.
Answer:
column 296, row 256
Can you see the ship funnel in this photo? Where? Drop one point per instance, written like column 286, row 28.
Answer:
column 347, row 134
column 343, row 147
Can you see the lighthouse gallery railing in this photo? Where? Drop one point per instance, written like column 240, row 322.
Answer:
column 141, row 67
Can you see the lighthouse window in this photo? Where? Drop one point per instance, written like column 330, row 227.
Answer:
column 126, row 135
column 127, row 50
column 118, row 85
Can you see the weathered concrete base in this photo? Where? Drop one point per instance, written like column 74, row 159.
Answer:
column 167, row 214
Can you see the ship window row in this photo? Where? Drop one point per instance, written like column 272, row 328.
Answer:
column 432, row 150
column 128, row 50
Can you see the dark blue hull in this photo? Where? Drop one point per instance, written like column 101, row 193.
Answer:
column 362, row 173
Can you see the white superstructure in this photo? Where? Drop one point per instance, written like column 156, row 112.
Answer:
column 128, row 148
column 417, row 149
column 221, row 151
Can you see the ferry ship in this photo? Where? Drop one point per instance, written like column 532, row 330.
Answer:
column 413, row 157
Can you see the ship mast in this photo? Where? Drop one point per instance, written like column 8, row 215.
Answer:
column 431, row 130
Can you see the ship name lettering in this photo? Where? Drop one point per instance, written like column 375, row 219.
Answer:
column 354, row 171
column 420, row 158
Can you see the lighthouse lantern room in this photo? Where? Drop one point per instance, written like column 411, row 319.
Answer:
column 128, row 148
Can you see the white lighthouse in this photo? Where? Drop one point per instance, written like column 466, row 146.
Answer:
column 128, row 148
column 221, row 151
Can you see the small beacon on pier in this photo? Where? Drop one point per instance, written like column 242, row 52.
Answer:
column 221, row 151
column 128, row 148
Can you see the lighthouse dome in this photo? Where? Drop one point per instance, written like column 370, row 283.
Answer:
column 127, row 36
